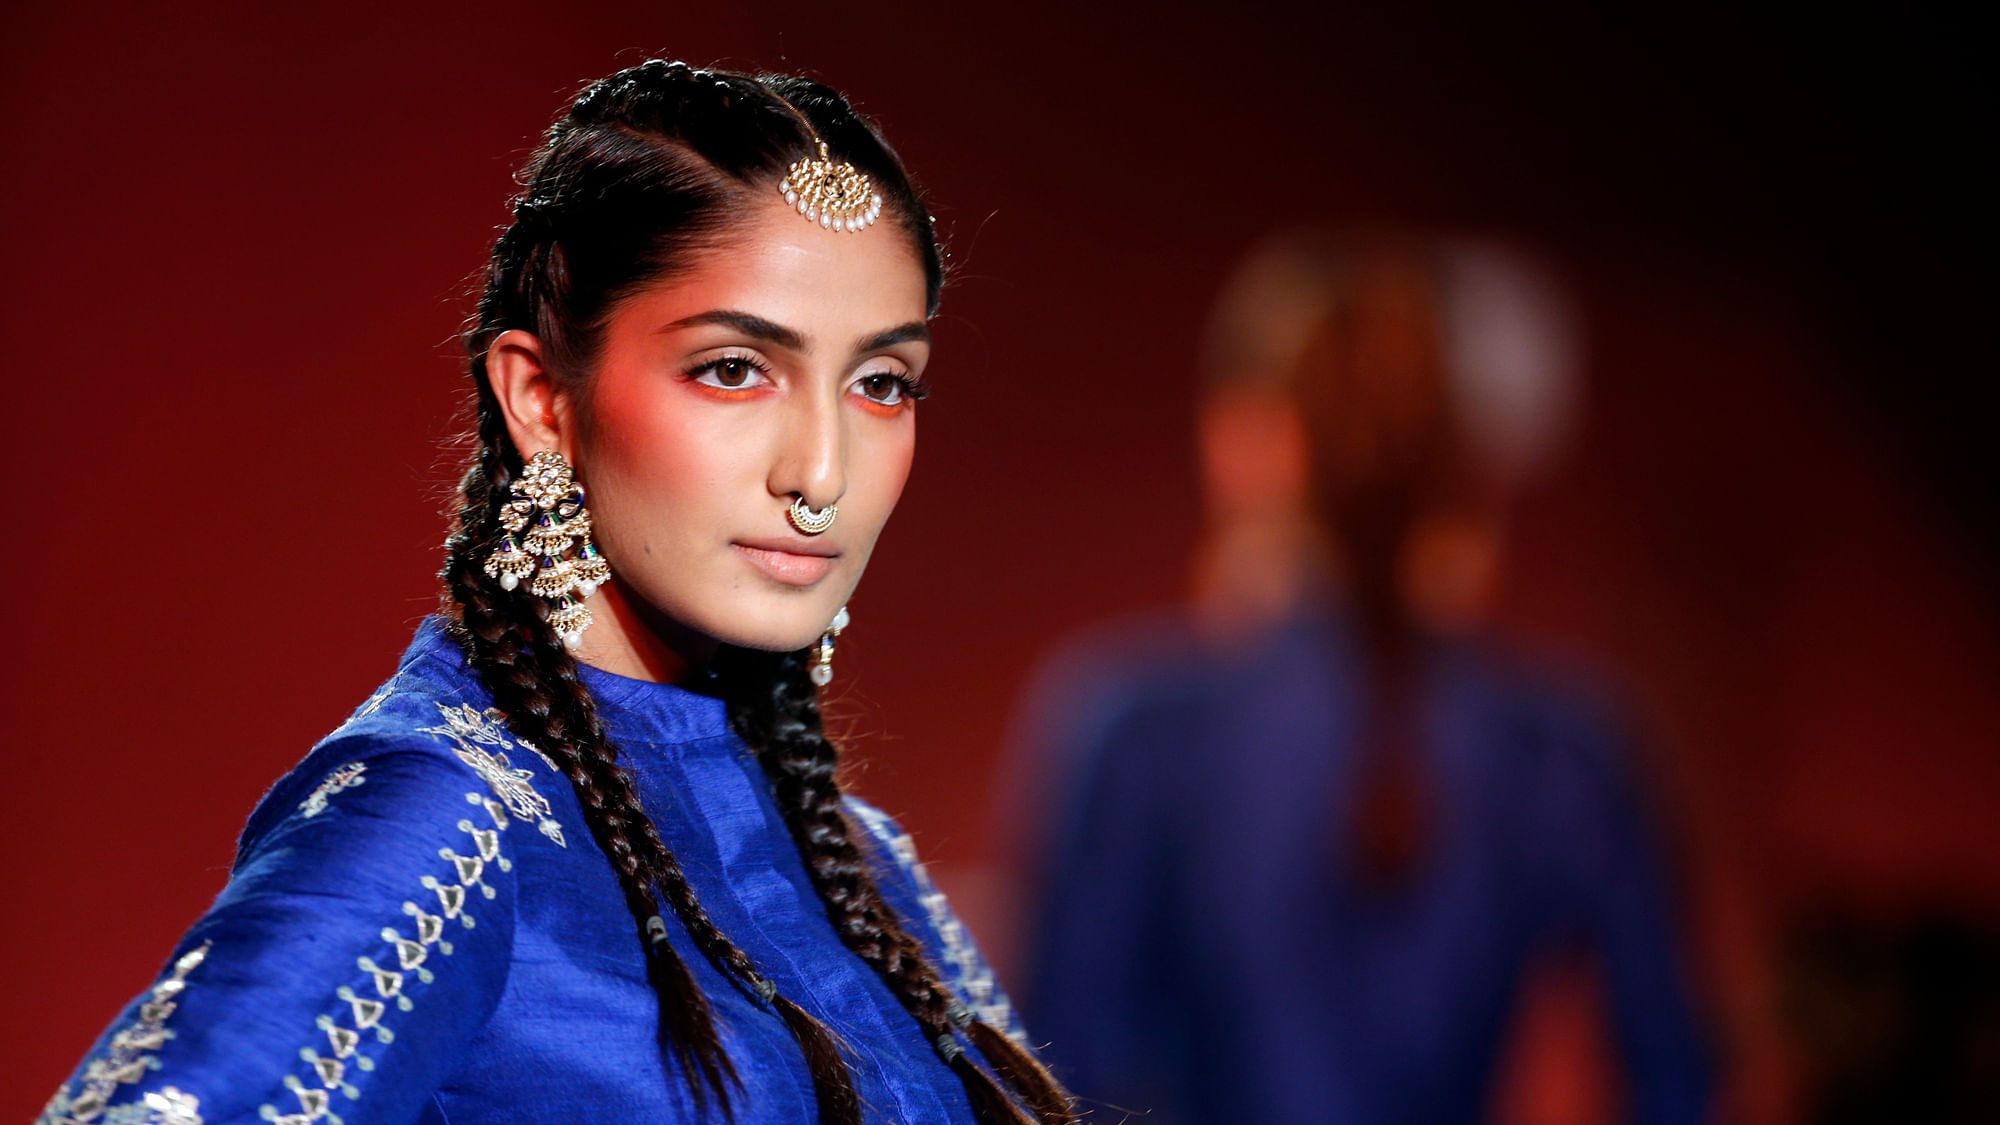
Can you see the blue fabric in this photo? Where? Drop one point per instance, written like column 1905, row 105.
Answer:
column 1234, row 969
column 419, row 927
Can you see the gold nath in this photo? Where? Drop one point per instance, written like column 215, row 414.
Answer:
column 834, row 195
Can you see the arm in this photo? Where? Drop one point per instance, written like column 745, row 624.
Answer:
column 1639, row 931
column 360, row 945
column 1618, row 891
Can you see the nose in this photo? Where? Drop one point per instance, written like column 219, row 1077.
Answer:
column 811, row 460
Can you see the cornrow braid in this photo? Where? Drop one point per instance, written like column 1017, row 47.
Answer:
column 777, row 712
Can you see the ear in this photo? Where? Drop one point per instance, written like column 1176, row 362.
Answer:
column 536, row 409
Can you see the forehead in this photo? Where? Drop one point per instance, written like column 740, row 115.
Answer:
column 776, row 264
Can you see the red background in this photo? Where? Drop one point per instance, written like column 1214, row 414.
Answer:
column 238, row 238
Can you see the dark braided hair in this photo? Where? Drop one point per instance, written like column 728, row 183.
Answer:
column 779, row 713
column 645, row 169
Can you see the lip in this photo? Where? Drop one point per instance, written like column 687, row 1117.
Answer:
column 792, row 562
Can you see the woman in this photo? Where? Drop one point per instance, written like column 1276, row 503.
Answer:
column 710, row 306
column 1404, row 818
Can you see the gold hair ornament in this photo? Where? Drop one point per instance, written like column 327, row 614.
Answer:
column 555, row 557
column 833, row 194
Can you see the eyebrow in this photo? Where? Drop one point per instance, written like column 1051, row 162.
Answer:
column 901, row 334
column 770, row 332
column 755, row 327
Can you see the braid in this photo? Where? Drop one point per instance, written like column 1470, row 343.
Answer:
column 802, row 763
column 515, row 657
column 534, row 682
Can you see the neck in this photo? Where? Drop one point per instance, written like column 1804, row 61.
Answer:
column 632, row 640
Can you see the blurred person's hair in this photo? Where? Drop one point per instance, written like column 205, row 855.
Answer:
column 1423, row 379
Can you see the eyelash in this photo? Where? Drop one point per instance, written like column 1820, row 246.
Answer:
column 914, row 389
column 719, row 362
column 911, row 389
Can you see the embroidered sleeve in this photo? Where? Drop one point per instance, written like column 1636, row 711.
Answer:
column 964, row 968
column 359, row 947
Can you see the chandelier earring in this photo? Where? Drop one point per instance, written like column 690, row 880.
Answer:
column 822, row 669
column 548, row 545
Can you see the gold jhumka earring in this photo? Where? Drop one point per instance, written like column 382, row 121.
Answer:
column 556, row 557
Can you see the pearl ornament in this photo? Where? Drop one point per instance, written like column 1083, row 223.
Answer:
column 822, row 669
column 832, row 193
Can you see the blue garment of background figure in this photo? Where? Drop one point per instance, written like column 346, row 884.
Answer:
column 1204, row 951
column 419, row 927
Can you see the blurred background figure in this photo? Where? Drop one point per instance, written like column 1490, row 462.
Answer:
column 1310, row 842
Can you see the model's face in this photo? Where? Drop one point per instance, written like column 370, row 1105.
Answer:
column 779, row 367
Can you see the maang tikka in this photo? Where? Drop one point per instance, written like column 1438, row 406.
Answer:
column 834, row 194
column 822, row 669
column 555, row 556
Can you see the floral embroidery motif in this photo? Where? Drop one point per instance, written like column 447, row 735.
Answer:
column 170, row 1106
column 965, row 966
column 346, row 777
column 473, row 732
column 366, row 1010
column 129, row 1059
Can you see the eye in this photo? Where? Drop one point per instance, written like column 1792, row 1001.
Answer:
column 730, row 373
column 886, row 388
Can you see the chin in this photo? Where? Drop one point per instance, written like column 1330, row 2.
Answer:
column 787, row 626
column 769, row 640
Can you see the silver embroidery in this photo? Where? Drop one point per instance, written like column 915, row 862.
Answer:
column 473, row 732
column 175, row 1107
column 168, row 1106
column 129, row 1059
column 346, row 777
column 968, row 968
column 366, row 1011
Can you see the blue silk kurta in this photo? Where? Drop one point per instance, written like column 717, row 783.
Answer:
column 420, row 927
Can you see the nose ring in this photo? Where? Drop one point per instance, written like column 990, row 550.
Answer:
column 812, row 522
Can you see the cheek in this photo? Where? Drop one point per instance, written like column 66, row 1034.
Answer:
column 653, row 457
column 889, row 468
